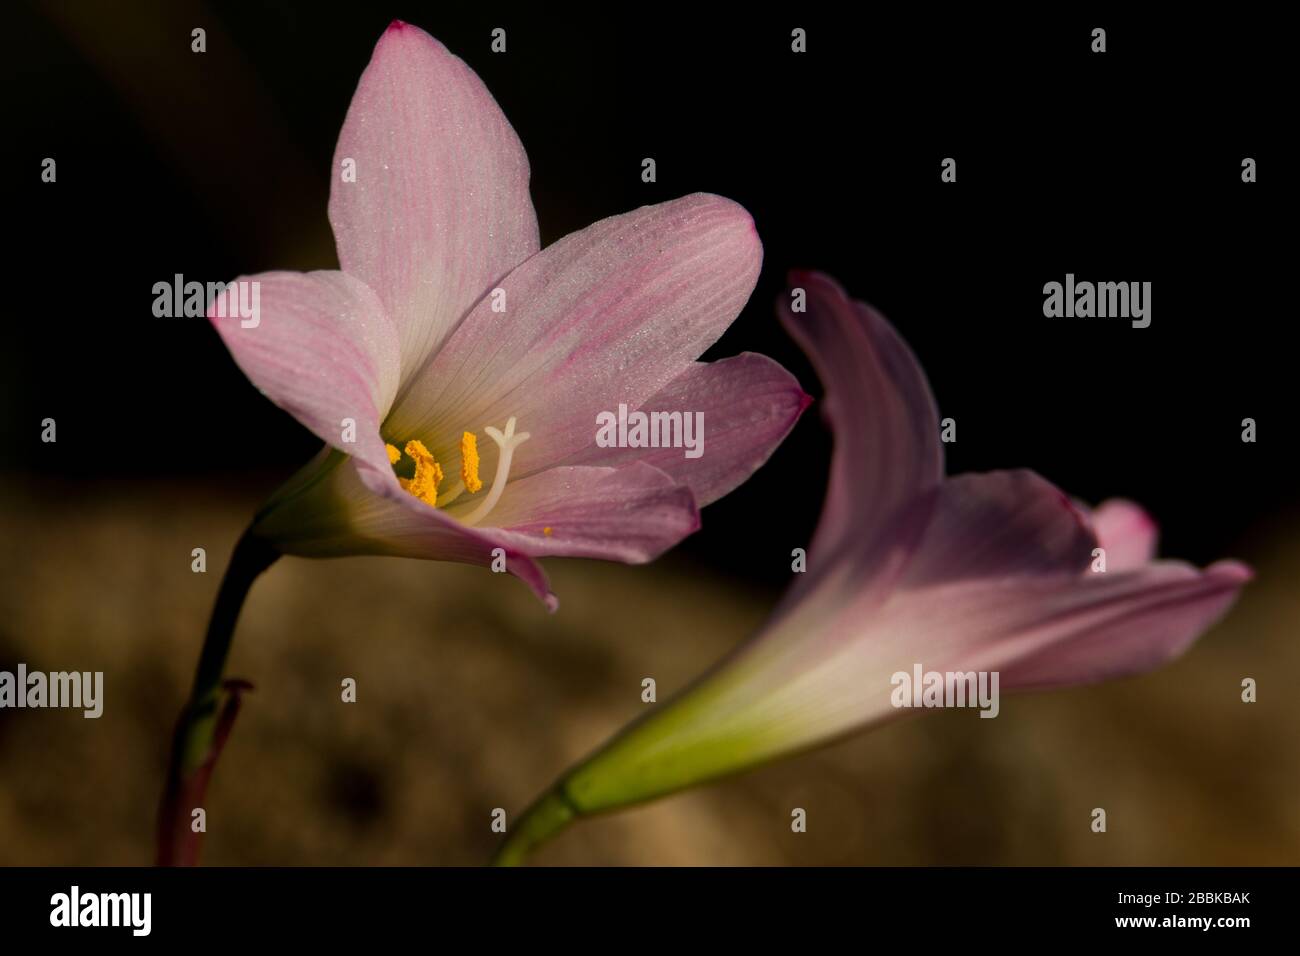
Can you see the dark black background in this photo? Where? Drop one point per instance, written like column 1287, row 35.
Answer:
column 1120, row 166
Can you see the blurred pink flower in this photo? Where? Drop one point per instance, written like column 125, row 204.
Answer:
column 981, row 572
column 447, row 323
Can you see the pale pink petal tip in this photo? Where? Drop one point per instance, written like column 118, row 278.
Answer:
column 1126, row 532
column 438, row 208
column 1231, row 572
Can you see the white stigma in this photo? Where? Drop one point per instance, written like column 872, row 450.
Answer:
column 507, row 442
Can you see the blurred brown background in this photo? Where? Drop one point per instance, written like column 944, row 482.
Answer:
column 470, row 697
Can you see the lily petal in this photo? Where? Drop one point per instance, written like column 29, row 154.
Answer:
column 1118, row 624
column 322, row 349
column 1001, row 534
column 997, row 583
column 826, row 669
column 631, row 514
column 607, row 315
column 879, row 406
column 1126, row 532
column 997, row 525
column 439, row 207
column 749, row 404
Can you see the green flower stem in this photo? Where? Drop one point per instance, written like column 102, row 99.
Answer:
column 205, row 722
column 667, row 750
column 544, row 819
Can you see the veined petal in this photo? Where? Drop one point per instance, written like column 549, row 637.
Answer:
column 607, row 315
column 997, row 525
column 1121, row 623
column 1126, row 532
column 631, row 514
column 748, row 402
column 322, row 348
column 906, row 600
column 333, row 509
column 438, row 209
column 878, row 404
column 1014, row 602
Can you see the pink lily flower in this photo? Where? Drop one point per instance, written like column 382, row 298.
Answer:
column 994, row 572
column 456, row 372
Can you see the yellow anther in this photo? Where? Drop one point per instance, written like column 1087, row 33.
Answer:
column 426, row 474
column 507, row 441
column 469, row 462
column 547, row 531
column 424, row 484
